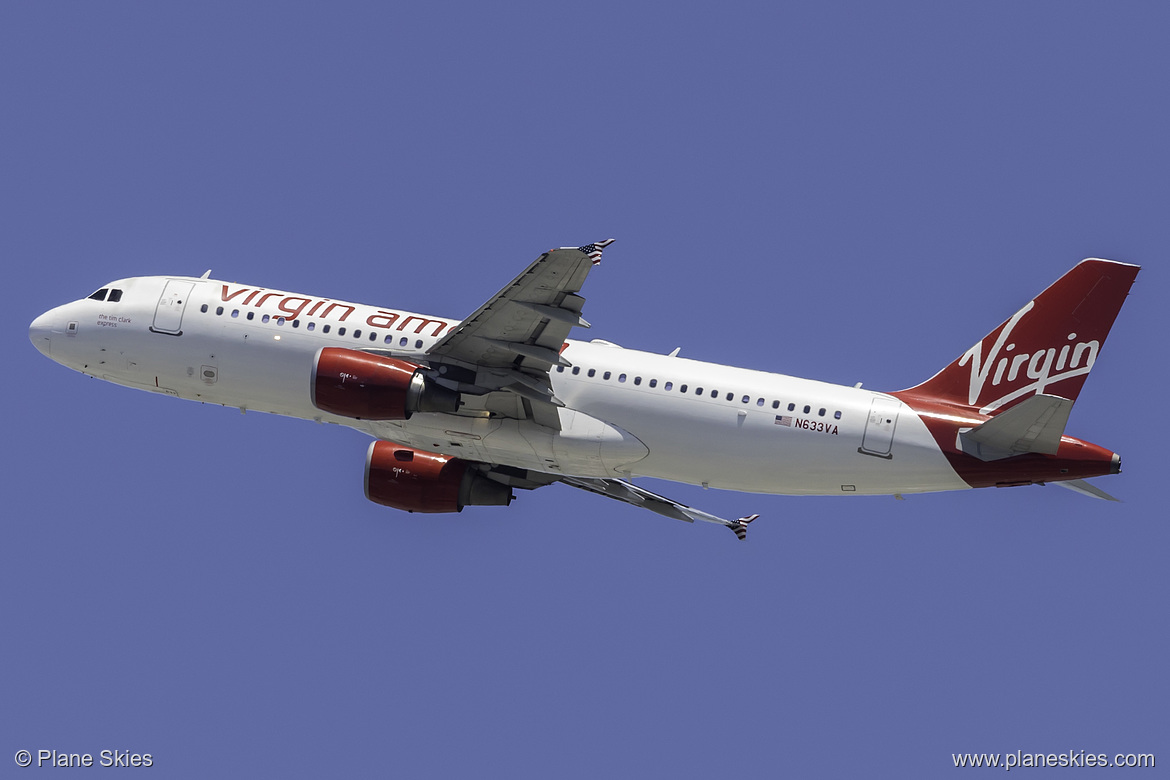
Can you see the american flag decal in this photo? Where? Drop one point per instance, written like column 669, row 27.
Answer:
column 594, row 250
column 783, row 419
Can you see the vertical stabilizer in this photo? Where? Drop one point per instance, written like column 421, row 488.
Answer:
column 1047, row 347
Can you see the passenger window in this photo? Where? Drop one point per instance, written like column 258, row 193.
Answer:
column 775, row 404
column 759, row 402
column 621, row 377
column 251, row 314
column 714, row 393
column 682, row 388
column 218, row 311
column 606, row 375
column 576, row 370
column 654, row 383
column 807, row 408
column 265, row 318
column 402, row 341
column 311, row 326
column 792, row 407
column 836, row 415
column 325, row 328
column 418, row 344
column 295, row 323
column 373, row 336
column 236, row 314
column 746, row 398
column 280, row 320
column 560, row 369
column 341, row 331
column 202, row 308
column 100, row 295
column 698, row 391
column 357, row 334
column 388, row 340
column 592, row 372
column 821, row 413
column 731, row 396
column 115, row 296
column 637, row 380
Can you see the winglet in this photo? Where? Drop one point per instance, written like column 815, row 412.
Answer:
column 595, row 249
column 740, row 526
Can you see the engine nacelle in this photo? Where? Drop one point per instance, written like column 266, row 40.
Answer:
column 374, row 387
column 417, row 481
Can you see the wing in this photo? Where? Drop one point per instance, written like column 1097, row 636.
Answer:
column 640, row 497
column 500, row 356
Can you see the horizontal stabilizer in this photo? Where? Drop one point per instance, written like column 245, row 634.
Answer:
column 1033, row 425
column 1085, row 488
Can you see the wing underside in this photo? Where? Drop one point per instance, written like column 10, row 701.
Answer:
column 630, row 493
column 618, row 489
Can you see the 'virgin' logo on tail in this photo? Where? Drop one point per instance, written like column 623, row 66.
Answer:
column 1045, row 366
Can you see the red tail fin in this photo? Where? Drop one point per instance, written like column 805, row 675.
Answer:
column 1049, row 346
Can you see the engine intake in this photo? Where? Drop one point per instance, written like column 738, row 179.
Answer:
column 374, row 387
column 417, row 481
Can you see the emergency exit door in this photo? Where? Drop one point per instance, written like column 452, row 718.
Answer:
column 878, row 438
column 168, row 315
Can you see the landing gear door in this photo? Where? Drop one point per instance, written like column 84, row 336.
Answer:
column 878, row 438
column 168, row 315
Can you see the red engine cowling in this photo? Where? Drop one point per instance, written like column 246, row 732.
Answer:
column 374, row 387
column 417, row 481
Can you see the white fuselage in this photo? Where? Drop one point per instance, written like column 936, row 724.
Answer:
column 627, row 413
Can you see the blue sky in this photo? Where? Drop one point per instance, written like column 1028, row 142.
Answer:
column 843, row 191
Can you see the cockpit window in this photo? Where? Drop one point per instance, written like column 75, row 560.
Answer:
column 100, row 295
column 115, row 296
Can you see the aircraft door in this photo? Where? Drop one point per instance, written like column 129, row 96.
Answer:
column 168, row 315
column 878, row 438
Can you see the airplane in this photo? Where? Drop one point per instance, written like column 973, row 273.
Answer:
column 464, row 412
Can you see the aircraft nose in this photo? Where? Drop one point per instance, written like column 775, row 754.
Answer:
column 40, row 331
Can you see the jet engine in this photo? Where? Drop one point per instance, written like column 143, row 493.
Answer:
column 374, row 387
column 417, row 481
